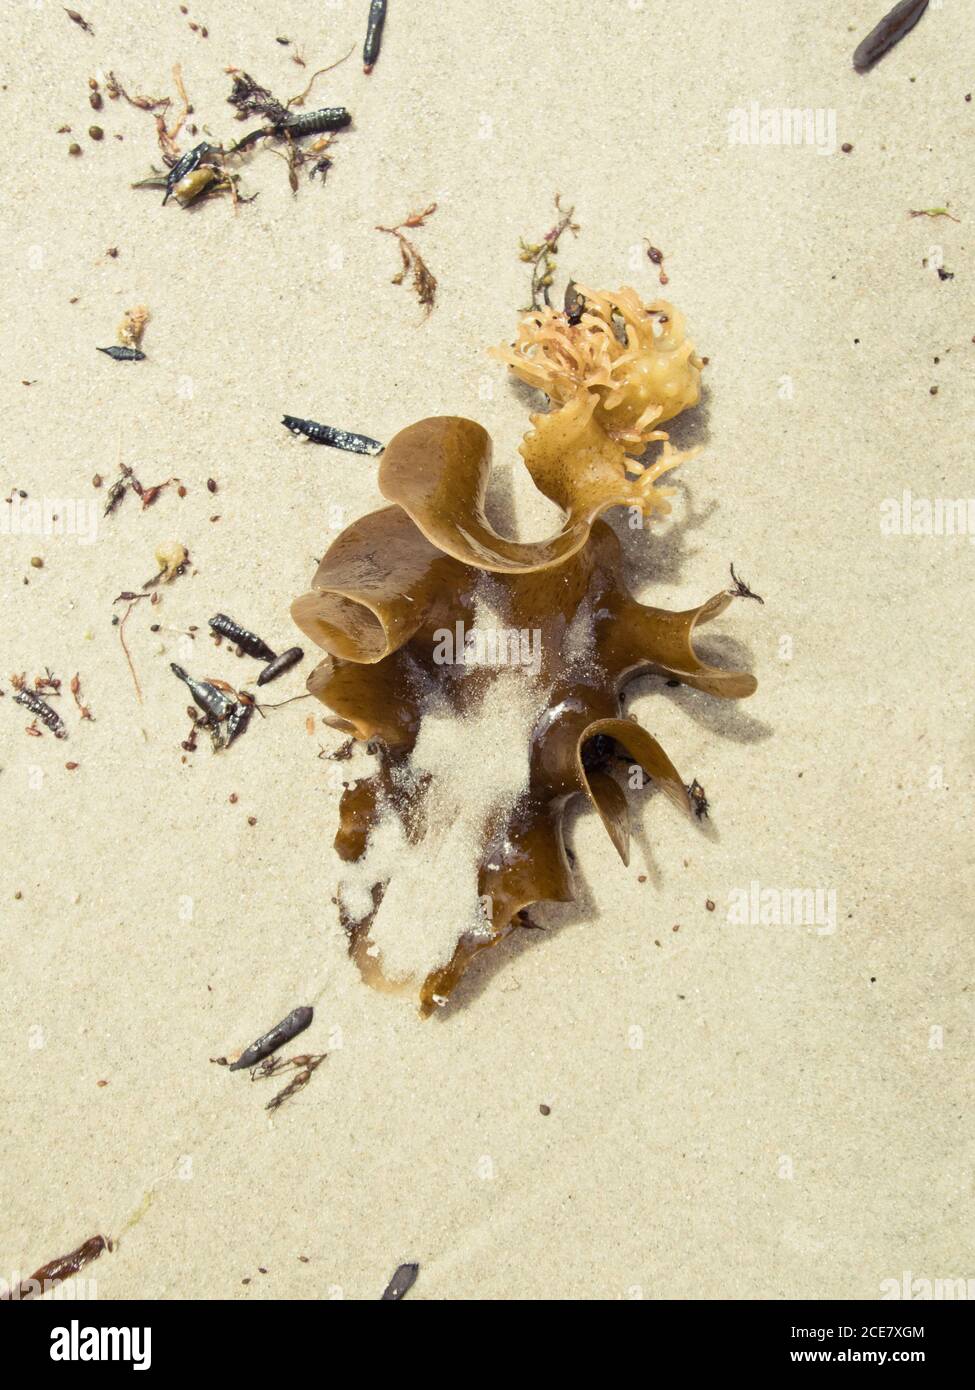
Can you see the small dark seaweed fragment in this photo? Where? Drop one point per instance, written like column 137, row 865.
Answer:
column 423, row 281
column 240, row 717
column 75, row 688
column 214, row 704
column 656, row 257
column 310, row 1064
column 250, row 138
column 400, row 1284
column 699, row 802
column 541, row 254
column 274, row 1066
column 55, row 1270
column 574, row 303
column 741, row 589
column 118, row 490
column 335, row 438
column 185, row 165
column 374, row 35
column 124, row 354
column 41, row 710
column 247, row 641
column 891, row 29
column 296, row 1022
column 315, row 122
column 251, row 99
column 78, row 19
column 280, row 664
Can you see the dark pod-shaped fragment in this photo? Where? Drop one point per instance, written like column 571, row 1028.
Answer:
column 374, row 35
column 213, row 702
column 316, row 122
column 296, row 1022
column 57, row 1270
column 400, row 1284
column 242, row 637
column 891, row 29
column 336, row 438
column 185, row 165
column 123, row 354
column 280, row 664
column 240, row 717
column 41, row 710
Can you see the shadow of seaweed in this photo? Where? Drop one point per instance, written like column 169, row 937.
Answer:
column 551, row 917
column 548, row 917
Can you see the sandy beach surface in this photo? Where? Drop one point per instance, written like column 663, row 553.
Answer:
column 735, row 1109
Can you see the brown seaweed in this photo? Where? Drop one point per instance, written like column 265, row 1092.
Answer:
column 398, row 576
column 50, row 1275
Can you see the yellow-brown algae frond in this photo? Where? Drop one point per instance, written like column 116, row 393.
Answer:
column 634, row 357
column 133, row 325
column 170, row 557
